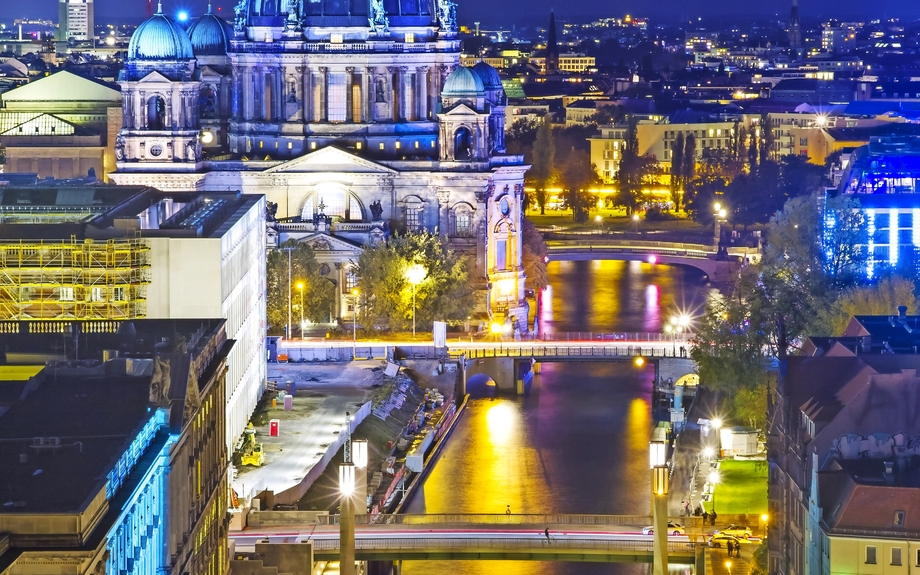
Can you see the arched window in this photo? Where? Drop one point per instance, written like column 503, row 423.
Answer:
column 463, row 144
column 413, row 206
column 156, row 113
column 463, row 221
column 207, row 101
column 334, row 202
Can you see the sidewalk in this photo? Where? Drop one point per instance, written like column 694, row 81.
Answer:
column 687, row 448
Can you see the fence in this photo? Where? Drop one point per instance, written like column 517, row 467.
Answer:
column 293, row 494
column 574, row 351
column 487, row 519
column 570, row 543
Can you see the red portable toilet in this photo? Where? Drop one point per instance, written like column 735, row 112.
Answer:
column 274, row 427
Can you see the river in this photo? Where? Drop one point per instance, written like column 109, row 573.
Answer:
column 578, row 443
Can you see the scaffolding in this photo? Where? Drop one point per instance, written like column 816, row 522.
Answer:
column 67, row 280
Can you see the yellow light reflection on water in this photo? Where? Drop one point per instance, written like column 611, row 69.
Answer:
column 501, row 421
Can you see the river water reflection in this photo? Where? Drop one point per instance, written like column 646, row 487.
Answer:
column 578, row 443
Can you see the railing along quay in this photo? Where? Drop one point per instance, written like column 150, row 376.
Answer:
column 490, row 519
column 425, row 541
column 537, row 351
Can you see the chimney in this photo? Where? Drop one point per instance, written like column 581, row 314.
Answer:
column 889, row 473
column 902, row 312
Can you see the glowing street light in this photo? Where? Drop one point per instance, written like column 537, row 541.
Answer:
column 764, row 518
column 347, row 519
column 415, row 274
column 658, row 463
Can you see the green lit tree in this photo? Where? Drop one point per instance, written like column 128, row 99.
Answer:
column 319, row 293
column 544, row 159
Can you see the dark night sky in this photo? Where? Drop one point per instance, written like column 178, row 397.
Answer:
column 515, row 11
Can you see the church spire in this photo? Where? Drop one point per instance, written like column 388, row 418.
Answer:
column 795, row 31
column 552, row 48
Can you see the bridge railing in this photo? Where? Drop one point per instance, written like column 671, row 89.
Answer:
column 427, row 542
column 607, row 336
column 490, row 519
column 537, row 351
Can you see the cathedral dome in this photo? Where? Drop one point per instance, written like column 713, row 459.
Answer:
column 462, row 82
column 159, row 38
column 489, row 76
column 210, row 35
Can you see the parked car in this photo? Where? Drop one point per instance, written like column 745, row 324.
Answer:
column 737, row 531
column 673, row 529
column 721, row 540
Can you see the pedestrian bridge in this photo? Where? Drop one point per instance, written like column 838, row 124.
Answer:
column 511, row 366
column 700, row 256
column 578, row 538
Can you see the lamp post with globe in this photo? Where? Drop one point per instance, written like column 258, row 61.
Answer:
column 415, row 274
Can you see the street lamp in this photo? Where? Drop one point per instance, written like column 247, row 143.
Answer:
column 354, row 325
column 359, row 456
column 289, row 249
column 300, row 287
column 764, row 518
column 415, row 274
column 347, row 519
column 719, row 212
column 658, row 463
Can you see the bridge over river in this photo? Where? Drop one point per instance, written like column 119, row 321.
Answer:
column 578, row 538
column 705, row 257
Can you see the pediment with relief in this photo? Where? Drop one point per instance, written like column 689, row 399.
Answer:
column 154, row 77
column 321, row 242
column 329, row 159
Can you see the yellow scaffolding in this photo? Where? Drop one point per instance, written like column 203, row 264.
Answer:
column 65, row 280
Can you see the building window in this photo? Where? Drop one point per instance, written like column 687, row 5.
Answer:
column 66, row 294
column 870, row 554
column 463, row 222
column 351, row 278
column 896, row 556
column 918, row 557
column 97, row 294
column 413, row 218
column 501, row 256
column 336, row 99
column 120, row 294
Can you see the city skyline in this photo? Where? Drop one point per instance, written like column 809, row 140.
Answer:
column 518, row 12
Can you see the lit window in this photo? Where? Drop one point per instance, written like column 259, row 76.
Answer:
column 358, row 146
column 416, row 144
column 261, row 143
column 413, row 218
column 66, row 294
column 381, row 145
column 335, row 38
column 290, row 145
column 397, row 145
column 97, row 294
column 312, row 145
column 410, row 37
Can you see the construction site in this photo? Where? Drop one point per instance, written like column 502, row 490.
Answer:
column 71, row 279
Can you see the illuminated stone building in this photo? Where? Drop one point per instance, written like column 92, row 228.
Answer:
column 122, row 467
column 354, row 120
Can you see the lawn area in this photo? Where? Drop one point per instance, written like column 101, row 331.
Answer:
column 742, row 487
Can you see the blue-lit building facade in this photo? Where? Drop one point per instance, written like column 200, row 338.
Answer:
column 134, row 478
column 884, row 177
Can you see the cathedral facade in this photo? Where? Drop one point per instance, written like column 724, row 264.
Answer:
column 354, row 119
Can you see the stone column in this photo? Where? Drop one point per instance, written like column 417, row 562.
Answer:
column 140, row 110
column 421, row 75
column 307, row 89
column 126, row 110
column 368, row 93
column 235, row 108
column 349, row 96
column 395, row 89
column 443, row 214
column 248, row 96
column 406, row 107
column 278, row 94
column 324, row 94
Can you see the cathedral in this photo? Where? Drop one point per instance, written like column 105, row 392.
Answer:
column 354, row 119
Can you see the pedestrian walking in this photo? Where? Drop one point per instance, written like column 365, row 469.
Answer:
column 731, row 547
column 712, row 517
column 687, row 508
column 547, row 534
column 705, row 516
column 507, row 510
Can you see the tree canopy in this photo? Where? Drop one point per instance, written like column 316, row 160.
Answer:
column 445, row 294
column 318, row 292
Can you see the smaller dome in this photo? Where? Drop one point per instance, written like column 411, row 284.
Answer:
column 159, row 38
column 463, row 82
column 489, row 76
column 210, row 35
